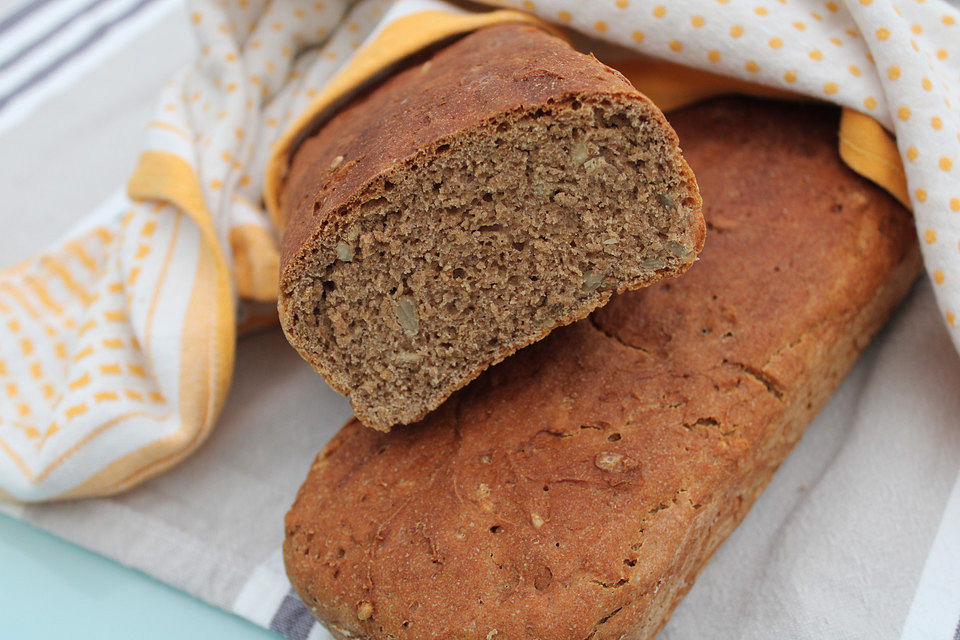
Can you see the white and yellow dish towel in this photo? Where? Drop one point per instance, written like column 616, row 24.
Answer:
column 117, row 343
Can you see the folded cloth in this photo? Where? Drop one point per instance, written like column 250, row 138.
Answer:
column 117, row 344
column 821, row 555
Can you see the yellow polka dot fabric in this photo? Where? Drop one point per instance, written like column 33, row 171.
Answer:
column 898, row 62
column 117, row 344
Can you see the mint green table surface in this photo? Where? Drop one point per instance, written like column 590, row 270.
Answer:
column 53, row 590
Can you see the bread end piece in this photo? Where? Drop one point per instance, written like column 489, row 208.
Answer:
column 467, row 207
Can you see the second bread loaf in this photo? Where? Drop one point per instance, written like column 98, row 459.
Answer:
column 576, row 490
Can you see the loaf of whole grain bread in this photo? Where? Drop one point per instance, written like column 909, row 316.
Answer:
column 469, row 205
column 576, row 490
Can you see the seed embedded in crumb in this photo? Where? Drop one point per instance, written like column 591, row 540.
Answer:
column 336, row 162
column 543, row 321
column 426, row 66
column 595, row 165
column 483, row 498
column 677, row 249
column 364, row 611
column 579, row 152
column 666, row 202
column 612, row 241
column 344, row 252
column 592, row 281
column 653, row 263
column 536, row 520
column 613, row 462
column 407, row 315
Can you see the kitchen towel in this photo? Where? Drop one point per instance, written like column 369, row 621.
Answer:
column 823, row 554
column 118, row 342
column 836, row 546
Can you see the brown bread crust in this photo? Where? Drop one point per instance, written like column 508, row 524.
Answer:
column 576, row 490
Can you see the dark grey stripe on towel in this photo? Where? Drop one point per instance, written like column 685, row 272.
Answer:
column 49, row 35
column 22, row 12
column 292, row 619
column 82, row 46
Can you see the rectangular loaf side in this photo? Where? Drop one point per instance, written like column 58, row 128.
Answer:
column 577, row 489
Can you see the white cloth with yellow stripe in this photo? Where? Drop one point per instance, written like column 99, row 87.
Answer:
column 835, row 547
column 117, row 344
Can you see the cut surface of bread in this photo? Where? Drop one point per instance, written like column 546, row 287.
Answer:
column 576, row 490
column 468, row 206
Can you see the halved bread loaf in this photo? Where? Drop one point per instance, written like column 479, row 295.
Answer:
column 469, row 205
column 575, row 490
